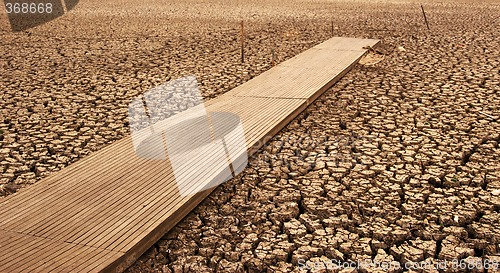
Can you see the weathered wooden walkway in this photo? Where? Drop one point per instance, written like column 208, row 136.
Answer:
column 102, row 212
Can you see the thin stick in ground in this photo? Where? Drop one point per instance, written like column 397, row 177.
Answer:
column 242, row 39
column 425, row 17
column 273, row 57
column 332, row 28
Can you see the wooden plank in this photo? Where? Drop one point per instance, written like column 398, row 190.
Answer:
column 25, row 253
column 289, row 71
column 104, row 211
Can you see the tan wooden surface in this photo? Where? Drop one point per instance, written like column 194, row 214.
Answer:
column 102, row 212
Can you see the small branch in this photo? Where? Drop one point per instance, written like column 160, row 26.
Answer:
column 488, row 116
column 425, row 17
column 273, row 57
column 371, row 49
column 242, row 33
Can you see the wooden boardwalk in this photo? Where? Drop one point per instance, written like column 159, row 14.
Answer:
column 102, row 212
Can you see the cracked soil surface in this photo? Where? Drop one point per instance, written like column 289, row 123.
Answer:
column 398, row 162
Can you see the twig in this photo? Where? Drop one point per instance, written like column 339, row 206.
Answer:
column 425, row 17
column 371, row 49
column 273, row 57
column 489, row 116
column 242, row 32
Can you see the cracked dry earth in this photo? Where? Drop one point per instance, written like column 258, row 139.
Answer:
column 399, row 161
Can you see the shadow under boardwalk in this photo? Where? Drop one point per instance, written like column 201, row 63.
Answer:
column 102, row 212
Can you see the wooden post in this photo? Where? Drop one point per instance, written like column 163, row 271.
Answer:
column 332, row 28
column 425, row 17
column 273, row 62
column 242, row 33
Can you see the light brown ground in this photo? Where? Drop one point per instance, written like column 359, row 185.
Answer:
column 399, row 161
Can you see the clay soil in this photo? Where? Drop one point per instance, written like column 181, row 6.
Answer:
column 398, row 162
